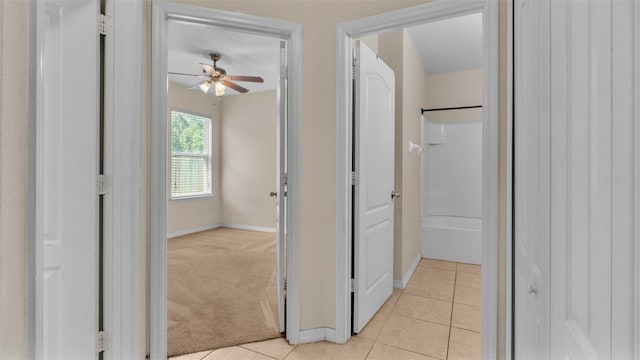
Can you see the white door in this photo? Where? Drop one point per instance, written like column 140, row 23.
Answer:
column 374, row 169
column 281, row 180
column 581, row 206
column 67, row 179
column 577, row 284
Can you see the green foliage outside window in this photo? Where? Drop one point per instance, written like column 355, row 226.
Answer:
column 187, row 133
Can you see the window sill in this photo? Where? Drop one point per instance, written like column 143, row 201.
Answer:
column 190, row 197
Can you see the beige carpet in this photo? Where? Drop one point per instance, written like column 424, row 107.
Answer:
column 221, row 290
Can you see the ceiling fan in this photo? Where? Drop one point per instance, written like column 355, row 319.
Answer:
column 217, row 78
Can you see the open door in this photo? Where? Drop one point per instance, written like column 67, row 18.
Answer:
column 67, row 143
column 281, row 194
column 374, row 124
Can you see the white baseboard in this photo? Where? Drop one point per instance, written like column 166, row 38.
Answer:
column 317, row 334
column 215, row 226
column 249, row 227
column 401, row 284
column 192, row 230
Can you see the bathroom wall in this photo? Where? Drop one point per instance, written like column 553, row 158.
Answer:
column 452, row 169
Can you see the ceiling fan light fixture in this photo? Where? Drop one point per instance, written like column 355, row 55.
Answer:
column 205, row 86
column 220, row 88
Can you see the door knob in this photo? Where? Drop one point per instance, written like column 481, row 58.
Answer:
column 273, row 194
column 394, row 195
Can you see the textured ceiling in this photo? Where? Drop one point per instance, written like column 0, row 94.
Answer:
column 242, row 54
column 449, row 45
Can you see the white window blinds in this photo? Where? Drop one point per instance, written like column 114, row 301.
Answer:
column 190, row 155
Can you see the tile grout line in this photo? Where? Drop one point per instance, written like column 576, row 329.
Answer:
column 453, row 301
column 375, row 340
column 259, row 353
column 290, row 351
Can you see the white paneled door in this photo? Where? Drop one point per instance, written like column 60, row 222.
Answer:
column 576, row 99
column 581, row 187
column 67, row 142
column 374, row 184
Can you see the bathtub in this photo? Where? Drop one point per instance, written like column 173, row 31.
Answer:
column 452, row 238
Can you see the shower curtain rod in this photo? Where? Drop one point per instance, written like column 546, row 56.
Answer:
column 451, row 108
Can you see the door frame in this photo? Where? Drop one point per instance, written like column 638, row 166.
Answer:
column 162, row 13
column 415, row 15
column 122, row 274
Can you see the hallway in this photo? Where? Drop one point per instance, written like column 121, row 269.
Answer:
column 437, row 316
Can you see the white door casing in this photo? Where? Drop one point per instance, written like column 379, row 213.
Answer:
column 67, row 134
column 582, row 161
column 374, row 168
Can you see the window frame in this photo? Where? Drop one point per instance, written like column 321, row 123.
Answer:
column 208, row 156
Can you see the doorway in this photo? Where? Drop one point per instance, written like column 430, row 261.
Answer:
column 450, row 149
column 286, row 38
column 223, row 219
column 384, row 24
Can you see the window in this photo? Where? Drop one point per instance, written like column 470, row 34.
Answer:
column 190, row 155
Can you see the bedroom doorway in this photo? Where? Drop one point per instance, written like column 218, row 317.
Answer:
column 224, row 202
column 225, row 196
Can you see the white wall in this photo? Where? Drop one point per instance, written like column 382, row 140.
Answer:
column 188, row 214
column 248, row 162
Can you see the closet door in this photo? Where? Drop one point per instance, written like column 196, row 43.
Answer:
column 581, row 189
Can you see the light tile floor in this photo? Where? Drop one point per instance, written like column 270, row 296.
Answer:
column 437, row 316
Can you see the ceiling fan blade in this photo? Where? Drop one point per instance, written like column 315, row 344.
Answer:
column 197, row 85
column 185, row 74
column 209, row 69
column 257, row 79
column 235, row 86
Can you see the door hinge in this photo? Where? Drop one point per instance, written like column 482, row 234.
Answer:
column 353, row 288
column 100, row 341
column 284, row 286
column 354, row 178
column 284, row 179
column 354, row 66
column 104, row 184
column 106, row 24
column 284, row 72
